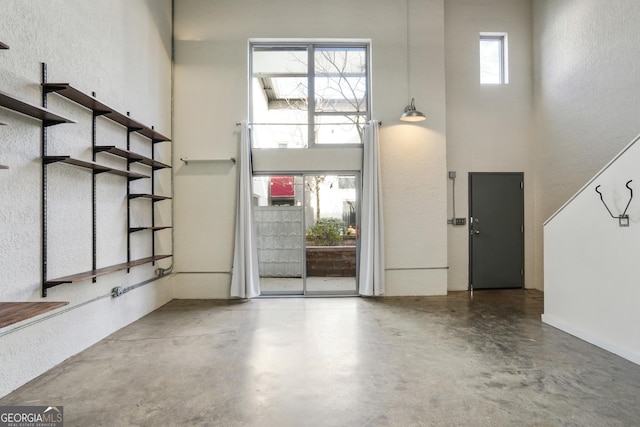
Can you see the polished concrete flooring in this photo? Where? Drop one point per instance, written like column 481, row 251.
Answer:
column 461, row 360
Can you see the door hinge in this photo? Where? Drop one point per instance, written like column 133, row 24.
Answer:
column 522, row 272
column 522, row 228
column 522, row 185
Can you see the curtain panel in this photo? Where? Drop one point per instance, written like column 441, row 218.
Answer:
column 245, row 278
column 372, row 280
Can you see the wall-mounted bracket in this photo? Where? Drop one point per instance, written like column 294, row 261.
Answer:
column 623, row 219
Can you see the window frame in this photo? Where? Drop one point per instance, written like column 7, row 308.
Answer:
column 311, row 45
column 502, row 38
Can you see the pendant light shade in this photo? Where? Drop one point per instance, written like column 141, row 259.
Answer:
column 411, row 114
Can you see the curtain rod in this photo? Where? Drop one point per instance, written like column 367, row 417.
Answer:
column 301, row 124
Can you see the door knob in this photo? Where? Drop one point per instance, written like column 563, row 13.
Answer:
column 475, row 232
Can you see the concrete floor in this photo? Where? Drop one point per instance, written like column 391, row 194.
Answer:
column 459, row 360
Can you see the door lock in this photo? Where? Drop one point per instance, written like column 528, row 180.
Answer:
column 474, row 221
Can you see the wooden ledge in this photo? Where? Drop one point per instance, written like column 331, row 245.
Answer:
column 80, row 277
column 14, row 312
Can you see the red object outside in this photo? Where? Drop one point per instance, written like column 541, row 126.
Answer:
column 282, row 186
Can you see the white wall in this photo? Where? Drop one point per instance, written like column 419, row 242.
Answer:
column 211, row 96
column 488, row 126
column 591, row 263
column 121, row 50
column 586, row 105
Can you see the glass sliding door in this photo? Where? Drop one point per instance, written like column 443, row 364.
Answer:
column 307, row 232
column 278, row 216
column 331, row 229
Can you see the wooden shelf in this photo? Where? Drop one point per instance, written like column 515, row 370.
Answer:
column 3, row 46
column 81, row 277
column 130, row 155
column 14, row 312
column 153, row 163
column 153, row 197
column 154, row 136
column 47, row 117
column 64, row 89
column 73, row 94
column 4, row 167
column 112, row 149
column 96, row 167
column 134, row 229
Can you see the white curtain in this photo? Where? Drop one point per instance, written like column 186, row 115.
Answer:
column 245, row 279
column 372, row 231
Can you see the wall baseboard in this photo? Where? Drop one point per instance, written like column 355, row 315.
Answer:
column 630, row 355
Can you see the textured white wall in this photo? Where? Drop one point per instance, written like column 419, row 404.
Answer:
column 586, row 105
column 211, row 96
column 591, row 263
column 122, row 51
column 488, row 126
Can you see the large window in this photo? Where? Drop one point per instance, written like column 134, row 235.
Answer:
column 493, row 58
column 305, row 95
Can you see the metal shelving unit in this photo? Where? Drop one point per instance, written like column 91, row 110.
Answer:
column 99, row 109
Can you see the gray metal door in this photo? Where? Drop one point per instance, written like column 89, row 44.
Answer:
column 496, row 230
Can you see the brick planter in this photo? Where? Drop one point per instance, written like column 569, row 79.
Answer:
column 331, row 261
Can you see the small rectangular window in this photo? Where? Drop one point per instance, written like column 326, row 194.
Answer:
column 493, row 58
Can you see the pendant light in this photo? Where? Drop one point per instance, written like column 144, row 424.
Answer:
column 410, row 113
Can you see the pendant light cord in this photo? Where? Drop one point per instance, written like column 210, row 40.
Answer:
column 408, row 53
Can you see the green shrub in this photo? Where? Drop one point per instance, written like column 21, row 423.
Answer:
column 326, row 232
